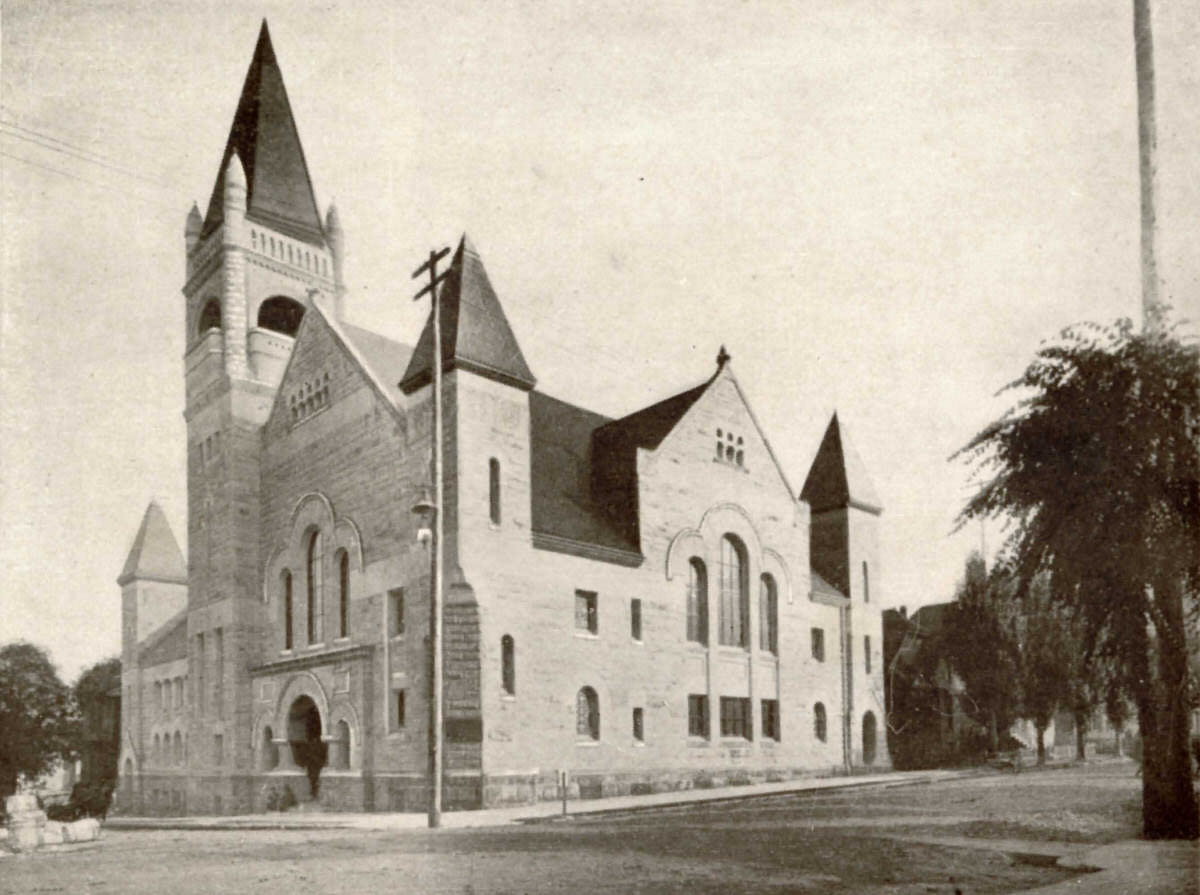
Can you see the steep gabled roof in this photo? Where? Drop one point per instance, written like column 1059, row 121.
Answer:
column 837, row 477
column 155, row 553
column 166, row 644
column 385, row 359
column 560, row 459
column 279, row 190
column 476, row 335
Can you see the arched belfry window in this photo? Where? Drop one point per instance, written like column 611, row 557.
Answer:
column 343, row 564
column 313, row 567
column 735, row 602
column 697, row 601
column 280, row 314
column 210, row 317
column 508, row 665
column 287, row 609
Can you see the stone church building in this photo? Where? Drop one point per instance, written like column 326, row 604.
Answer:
column 646, row 602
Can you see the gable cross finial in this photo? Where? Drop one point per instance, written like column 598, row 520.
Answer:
column 723, row 357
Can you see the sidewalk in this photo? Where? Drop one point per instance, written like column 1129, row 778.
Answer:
column 540, row 813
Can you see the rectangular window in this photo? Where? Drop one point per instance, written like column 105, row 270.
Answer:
column 635, row 619
column 639, row 732
column 866, row 583
column 396, row 611
column 219, row 675
column 201, row 659
column 585, row 612
column 770, row 719
column 494, row 491
column 867, row 652
column 818, row 644
column 735, row 717
column 397, row 709
column 218, row 749
column 697, row 715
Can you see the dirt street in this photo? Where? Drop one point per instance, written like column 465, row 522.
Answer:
column 932, row 838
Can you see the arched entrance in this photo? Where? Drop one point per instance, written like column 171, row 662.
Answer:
column 304, row 737
column 868, row 738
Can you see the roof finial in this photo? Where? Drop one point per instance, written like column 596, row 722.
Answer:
column 723, row 357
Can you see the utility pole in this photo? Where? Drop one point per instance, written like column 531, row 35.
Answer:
column 1143, row 45
column 435, row 578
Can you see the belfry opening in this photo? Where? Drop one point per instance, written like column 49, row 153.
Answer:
column 309, row 751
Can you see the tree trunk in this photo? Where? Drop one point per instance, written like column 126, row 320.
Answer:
column 1117, row 731
column 1169, row 809
column 1081, row 729
column 1041, row 743
column 993, row 733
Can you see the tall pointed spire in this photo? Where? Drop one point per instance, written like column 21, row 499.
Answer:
column 476, row 335
column 155, row 552
column 838, row 478
column 264, row 136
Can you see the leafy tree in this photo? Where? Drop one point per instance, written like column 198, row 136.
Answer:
column 1044, row 663
column 99, row 714
column 1097, row 467
column 981, row 644
column 37, row 719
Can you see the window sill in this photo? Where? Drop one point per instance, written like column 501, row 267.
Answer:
column 587, row 744
column 314, row 646
column 637, row 641
column 345, row 639
column 286, row 652
column 736, row 741
column 396, row 637
column 508, row 697
column 587, row 635
column 699, row 742
column 639, row 744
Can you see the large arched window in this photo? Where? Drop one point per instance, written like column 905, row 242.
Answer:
column 819, row 724
column 210, row 317
column 735, row 603
column 280, row 314
column 768, row 616
column 343, row 564
column 508, row 665
column 587, row 714
column 697, row 601
column 313, row 576
column 287, row 609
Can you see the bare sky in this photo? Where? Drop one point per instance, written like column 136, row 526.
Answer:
column 878, row 207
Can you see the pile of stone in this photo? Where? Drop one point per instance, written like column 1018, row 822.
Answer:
column 28, row 829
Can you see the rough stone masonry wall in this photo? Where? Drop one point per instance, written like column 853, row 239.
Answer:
column 529, row 595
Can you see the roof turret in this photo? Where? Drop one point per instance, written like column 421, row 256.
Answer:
column 837, row 477
column 476, row 335
column 155, row 552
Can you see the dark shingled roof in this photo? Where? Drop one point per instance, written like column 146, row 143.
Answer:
column 561, row 455
column 838, row 477
column 476, row 335
column 279, row 190
column 155, row 552
column 614, row 449
column 385, row 359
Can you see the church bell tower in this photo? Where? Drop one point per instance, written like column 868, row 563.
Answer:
column 257, row 260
